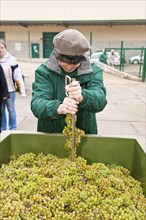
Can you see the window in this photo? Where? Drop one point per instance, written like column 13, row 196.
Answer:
column 2, row 35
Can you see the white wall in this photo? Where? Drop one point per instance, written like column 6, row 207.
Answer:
column 39, row 10
column 102, row 36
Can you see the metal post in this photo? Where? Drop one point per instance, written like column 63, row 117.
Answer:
column 121, row 55
column 123, row 60
column 144, row 66
column 140, row 65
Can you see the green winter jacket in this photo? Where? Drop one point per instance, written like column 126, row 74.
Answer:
column 48, row 93
column 103, row 58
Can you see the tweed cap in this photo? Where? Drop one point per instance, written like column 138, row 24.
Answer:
column 71, row 43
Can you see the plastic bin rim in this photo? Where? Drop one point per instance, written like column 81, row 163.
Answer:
column 139, row 139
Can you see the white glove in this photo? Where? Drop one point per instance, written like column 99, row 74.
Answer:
column 74, row 91
column 68, row 106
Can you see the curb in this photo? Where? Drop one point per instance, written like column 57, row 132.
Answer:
column 105, row 68
column 116, row 72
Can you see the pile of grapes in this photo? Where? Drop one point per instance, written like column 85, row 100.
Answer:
column 45, row 187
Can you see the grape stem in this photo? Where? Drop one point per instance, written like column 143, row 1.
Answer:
column 73, row 150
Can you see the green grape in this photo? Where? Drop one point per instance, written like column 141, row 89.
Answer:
column 45, row 187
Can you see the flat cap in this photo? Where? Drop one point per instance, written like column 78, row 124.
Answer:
column 71, row 43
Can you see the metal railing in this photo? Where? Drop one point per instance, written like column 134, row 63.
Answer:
column 137, row 70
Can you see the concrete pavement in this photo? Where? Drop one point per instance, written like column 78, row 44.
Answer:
column 124, row 114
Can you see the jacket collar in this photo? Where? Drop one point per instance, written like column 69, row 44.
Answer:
column 84, row 68
column 5, row 57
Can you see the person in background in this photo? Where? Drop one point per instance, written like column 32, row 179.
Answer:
column 103, row 57
column 14, row 78
column 4, row 94
column 86, row 95
column 111, row 59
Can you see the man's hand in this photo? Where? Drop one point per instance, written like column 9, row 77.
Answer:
column 74, row 91
column 4, row 98
column 68, row 106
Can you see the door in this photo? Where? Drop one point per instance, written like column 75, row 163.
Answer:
column 48, row 45
column 35, row 52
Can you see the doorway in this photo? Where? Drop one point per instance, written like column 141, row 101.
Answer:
column 48, row 45
column 35, row 50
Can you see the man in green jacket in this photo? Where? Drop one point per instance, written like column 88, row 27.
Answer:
column 103, row 57
column 52, row 99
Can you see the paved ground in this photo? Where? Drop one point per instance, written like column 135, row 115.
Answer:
column 123, row 115
column 133, row 69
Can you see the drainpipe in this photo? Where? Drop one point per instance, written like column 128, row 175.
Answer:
column 29, row 44
column 90, row 43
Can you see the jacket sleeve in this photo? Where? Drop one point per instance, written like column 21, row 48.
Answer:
column 94, row 94
column 3, row 84
column 17, row 77
column 43, row 104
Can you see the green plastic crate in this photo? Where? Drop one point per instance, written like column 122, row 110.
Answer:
column 127, row 152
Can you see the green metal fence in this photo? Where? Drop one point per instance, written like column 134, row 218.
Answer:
column 137, row 68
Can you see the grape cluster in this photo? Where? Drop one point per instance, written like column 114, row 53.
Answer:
column 73, row 136
column 45, row 187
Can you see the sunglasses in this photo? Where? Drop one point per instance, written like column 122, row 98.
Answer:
column 70, row 59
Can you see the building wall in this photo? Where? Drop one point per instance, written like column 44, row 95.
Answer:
column 30, row 10
column 19, row 38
